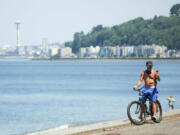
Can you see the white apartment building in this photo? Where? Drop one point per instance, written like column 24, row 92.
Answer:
column 159, row 49
column 103, row 52
column 53, row 50
column 108, row 52
column 117, row 51
column 66, row 53
column 92, row 52
column 150, row 50
column 126, row 50
column 82, row 52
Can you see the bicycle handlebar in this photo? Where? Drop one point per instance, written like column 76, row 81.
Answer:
column 139, row 89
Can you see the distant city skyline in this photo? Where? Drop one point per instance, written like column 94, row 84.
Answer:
column 58, row 20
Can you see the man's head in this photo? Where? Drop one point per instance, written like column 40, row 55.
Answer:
column 149, row 65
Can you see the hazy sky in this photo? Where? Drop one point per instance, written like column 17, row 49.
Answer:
column 58, row 20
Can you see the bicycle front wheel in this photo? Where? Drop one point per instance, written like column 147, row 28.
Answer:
column 136, row 112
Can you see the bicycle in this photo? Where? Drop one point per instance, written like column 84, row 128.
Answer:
column 136, row 107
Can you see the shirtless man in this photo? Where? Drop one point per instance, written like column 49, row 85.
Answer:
column 150, row 78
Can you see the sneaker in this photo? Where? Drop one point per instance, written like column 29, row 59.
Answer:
column 154, row 118
column 141, row 118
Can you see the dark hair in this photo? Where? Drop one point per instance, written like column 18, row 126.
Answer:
column 149, row 63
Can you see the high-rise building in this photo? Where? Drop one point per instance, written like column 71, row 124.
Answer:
column 45, row 47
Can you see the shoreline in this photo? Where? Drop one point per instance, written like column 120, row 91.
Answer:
column 97, row 127
column 105, row 59
column 87, row 59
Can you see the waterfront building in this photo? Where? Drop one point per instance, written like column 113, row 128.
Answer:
column 2, row 52
column 29, row 50
column 103, row 52
column 53, row 50
column 150, row 50
column 66, row 53
column 7, row 50
column 118, row 52
column 32, row 50
column 127, row 51
column 177, row 54
column 144, row 50
column 82, row 52
column 45, row 48
column 170, row 53
column 21, row 51
column 159, row 49
column 92, row 52
column 111, row 51
column 108, row 52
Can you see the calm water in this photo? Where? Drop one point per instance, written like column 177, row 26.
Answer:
column 37, row 95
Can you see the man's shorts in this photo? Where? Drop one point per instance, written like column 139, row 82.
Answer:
column 150, row 93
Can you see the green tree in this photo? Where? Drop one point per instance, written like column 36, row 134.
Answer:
column 106, row 34
column 77, row 41
column 107, row 43
column 175, row 10
column 69, row 44
column 97, row 28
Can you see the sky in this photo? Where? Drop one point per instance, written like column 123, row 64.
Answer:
column 58, row 20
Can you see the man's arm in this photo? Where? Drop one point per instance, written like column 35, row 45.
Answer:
column 157, row 75
column 139, row 82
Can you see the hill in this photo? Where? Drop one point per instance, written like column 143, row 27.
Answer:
column 159, row 30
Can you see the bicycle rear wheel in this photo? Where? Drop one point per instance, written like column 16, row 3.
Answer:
column 136, row 112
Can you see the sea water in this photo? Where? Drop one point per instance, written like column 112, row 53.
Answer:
column 38, row 95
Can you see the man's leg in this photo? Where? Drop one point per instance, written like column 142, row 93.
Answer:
column 154, row 108
column 141, row 113
column 153, row 101
column 143, row 99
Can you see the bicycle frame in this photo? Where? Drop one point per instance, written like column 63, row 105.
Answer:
column 147, row 108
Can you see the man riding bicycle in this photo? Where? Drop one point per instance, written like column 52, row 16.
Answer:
column 150, row 78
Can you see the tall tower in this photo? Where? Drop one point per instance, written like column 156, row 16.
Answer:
column 17, row 22
column 45, row 46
